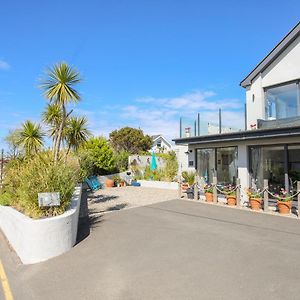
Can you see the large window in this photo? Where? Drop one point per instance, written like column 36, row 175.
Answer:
column 282, row 102
column 267, row 162
column 279, row 164
column 219, row 162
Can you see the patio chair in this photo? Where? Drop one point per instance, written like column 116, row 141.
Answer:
column 93, row 183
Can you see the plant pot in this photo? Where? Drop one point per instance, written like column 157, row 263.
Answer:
column 284, row 207
column 109, row 183
column 184, row 186
column 255, row 203
column 190, row 193
column 231, row 200
column 122, row 183
column 209, row 197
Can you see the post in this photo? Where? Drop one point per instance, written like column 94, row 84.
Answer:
column 298, row 198
column 195, row 128
column 198, row 124
column 238, row 192
column 215, row 193
column 180, row 127
column 245, row 112
column 220, row 120
column 1, row 168
column 179, row 190
column 266, row 196
column 196, row 191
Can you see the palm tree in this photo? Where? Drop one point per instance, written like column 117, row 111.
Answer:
column 52, row 116
column 76, row 133
column 59, row 89
column 31, row 137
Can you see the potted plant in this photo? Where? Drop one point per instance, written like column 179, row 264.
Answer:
column 254, row 198
column 117, row 180
column 230, row 193
column 187, row 186
column 208, row 192
column 122, row 182
column 284, row 201
column 109, row 183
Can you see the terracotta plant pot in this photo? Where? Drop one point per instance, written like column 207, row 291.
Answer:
column 209, row 197
column 231, row 200
column 284, row 207
column 122, row 183
column 255, row 203
column 109, row 183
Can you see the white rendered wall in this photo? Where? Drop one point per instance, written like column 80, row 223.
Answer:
column 38, row 240
column 285, row 68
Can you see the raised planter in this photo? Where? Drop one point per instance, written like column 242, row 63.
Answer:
column 159, row 184
column 38, row 240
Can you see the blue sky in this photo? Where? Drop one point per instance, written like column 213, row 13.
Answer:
column 144, row 63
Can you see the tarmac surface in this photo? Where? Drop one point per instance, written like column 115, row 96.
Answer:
column 175, row 249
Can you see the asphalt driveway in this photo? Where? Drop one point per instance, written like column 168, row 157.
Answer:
column 170, row 250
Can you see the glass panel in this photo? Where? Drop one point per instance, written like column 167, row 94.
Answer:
column 281, row 102
column 227, row 165
column 294, row 165
column 267, row 163
column 206, row 164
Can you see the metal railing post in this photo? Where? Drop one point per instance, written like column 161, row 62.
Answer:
column 266, row 195
column 215, row 193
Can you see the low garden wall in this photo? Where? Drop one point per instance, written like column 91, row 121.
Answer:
column 38, row 240
column 159, row 184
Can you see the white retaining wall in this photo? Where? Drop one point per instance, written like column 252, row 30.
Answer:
column 38, row 240
column 159, row 184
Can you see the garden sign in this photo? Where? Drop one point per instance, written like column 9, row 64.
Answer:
column 49, row 199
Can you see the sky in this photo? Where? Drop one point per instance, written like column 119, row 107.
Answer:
column 144, row 63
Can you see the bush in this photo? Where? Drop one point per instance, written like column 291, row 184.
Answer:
column 121, row 161
column 24, row 179
column 5, row 199
column 97, row 157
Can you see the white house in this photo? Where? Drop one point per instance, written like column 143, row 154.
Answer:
column 269, row 148
column 160, row 144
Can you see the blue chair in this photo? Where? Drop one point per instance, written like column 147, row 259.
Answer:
column 93, row 183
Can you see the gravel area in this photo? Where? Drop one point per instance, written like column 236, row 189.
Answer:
column 111, row 199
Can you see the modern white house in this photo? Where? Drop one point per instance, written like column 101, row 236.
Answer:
column 269, row 147
column 160, row 144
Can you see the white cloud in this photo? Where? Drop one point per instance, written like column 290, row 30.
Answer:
column 4, row 65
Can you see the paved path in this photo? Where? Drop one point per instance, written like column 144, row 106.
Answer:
column 170, row 250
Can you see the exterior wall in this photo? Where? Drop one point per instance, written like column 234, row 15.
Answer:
column 159, row 184
column 38, row 240
column 285, row 68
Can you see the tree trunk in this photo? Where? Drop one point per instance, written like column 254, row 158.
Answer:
column 59, row 135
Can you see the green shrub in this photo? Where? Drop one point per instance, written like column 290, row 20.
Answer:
column 121, row 161
column 171, row 166
column 5, row 199
column 24, row 179
column 189, row 177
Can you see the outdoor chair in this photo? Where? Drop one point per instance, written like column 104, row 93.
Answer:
column 93, row 183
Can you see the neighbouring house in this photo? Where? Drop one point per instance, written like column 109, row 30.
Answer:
column 160, row 144
column 269, row 147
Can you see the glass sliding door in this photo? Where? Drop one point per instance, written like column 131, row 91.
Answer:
column 267, row 162
column 294, row 164
column 227, row 165
column 206, row 164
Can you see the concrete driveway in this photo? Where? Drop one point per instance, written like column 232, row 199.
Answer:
column 170, row 250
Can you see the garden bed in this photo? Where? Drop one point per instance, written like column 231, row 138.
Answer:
column 36, row 240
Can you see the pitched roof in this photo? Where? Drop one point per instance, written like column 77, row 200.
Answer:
column 155, row 137
column 284, row 43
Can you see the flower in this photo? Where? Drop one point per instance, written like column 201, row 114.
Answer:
column 208, row 188
column 284, row 195
column 253, row 193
